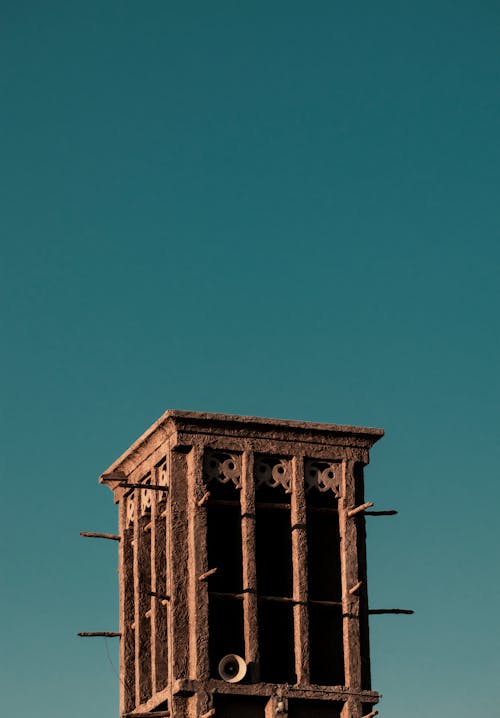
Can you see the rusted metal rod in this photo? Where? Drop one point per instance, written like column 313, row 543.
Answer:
column 390, row 610
column 101, row 634
column 92, row 534
column 359, row 509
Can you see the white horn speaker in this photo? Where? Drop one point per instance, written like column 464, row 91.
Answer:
column 232, row 668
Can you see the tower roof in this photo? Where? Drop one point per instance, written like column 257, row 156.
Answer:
column 175, row 424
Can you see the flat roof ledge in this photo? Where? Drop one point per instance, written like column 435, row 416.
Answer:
column 193, row 422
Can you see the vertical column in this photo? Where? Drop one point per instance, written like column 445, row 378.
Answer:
column 249, row 567
column 160, row 603
column 126, row 579
column 364, row 640
column 198, row 590
column 350, row 576
column 153, row 601
column 142, row 544
column 177, row 540
column 299, row 559
column 137, row 588
column 352, row 708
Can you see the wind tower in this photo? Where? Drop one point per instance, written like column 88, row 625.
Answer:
column 243, row 589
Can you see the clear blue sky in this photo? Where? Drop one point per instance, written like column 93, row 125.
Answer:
column 286, row 209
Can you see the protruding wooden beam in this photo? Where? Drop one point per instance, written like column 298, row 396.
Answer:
column 359, row 509
column 356, row 587
column 92, row 534
column 99, row 634
column 390, row 610
column 113, row 476
column 207, row 574
column 204, row 499
column 371, row 714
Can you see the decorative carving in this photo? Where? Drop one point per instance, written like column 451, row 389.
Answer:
column 322, row 475
column 222, row 467
column 273, row 472
column 130, row 510
column 146, row 496
column 162, row 474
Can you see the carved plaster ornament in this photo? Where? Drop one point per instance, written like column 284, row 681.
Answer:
column 146, row 496
column 222, row 467
column 322, row 475
column 130, row 510
column 273, row 473
column 162, row 474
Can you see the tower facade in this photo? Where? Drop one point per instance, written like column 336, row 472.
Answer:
column 243, row 590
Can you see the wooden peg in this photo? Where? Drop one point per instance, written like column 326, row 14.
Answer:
column 148, row 613
column 371, row 714
column 356, row 587
column 204, row 499
column 207, row 574
column 160, row 596
column 209, row 713
column 147, row 527
column 359, row 509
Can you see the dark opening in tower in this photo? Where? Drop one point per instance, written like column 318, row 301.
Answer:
column 274, row 569
column 225, row 604
column 324, row 574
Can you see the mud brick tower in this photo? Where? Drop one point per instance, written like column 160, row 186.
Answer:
column 242, row 569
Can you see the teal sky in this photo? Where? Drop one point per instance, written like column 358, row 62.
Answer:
column 285, row 209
